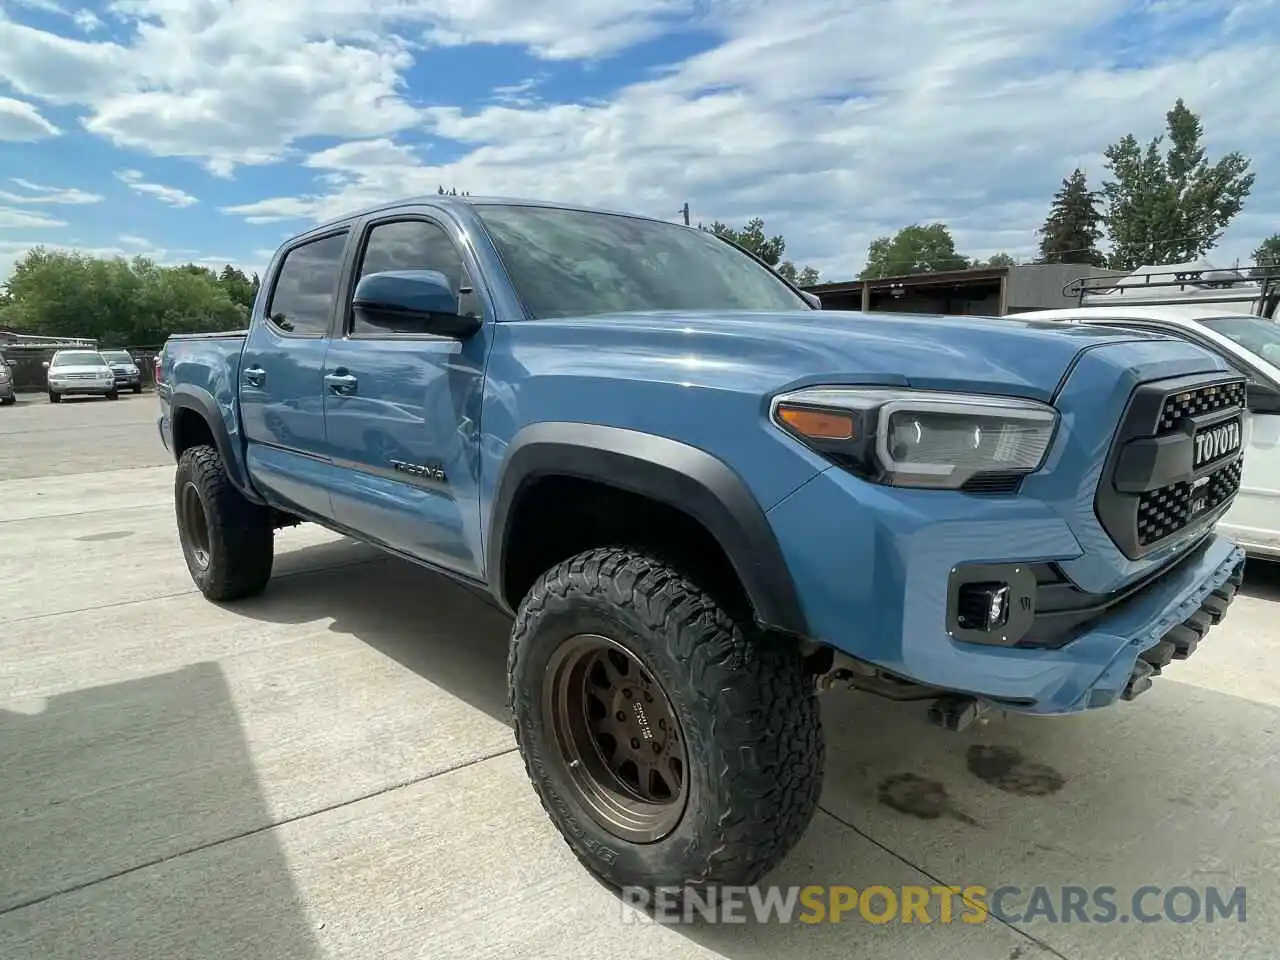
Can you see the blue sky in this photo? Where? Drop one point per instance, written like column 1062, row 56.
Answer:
column 209, row 130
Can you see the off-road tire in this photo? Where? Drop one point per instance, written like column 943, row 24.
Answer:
column 113, row 395
column 54, row 397
column 8, row 401
column 749, row 716
column 136, row 388
column 240, row 535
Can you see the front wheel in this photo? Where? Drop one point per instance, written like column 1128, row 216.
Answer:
column 228, row 542
column 137, row 388
column 113, row 395
column 669, row 745
column 54, row 398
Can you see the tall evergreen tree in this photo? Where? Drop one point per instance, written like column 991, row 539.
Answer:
column 1074, row 226
column 1171, row 206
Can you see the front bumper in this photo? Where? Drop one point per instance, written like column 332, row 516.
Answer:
column 85, row 389
column 872, row 567
column 6, row 390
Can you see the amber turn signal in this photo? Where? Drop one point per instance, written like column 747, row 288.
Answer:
column 817, row 424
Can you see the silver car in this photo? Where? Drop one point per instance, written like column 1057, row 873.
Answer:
column 80, row 373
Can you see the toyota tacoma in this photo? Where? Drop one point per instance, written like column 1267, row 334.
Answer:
column 703, row 501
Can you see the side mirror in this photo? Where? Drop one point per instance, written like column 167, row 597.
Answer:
column 45, row 364
column 1262, row 398
column 412, row 301
column 813, row 299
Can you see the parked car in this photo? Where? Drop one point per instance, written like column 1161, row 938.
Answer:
column 8, row 394
column 128, row 375
column 1251, row 344
column 80, row 373
column 703, row 500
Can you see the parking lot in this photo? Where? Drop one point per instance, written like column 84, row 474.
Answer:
column 327, row 771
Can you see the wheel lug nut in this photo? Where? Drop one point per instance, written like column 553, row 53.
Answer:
column 648, row 697
column 627, row 692
column 657, row 748
column 635, row 744
column 662, row 724
column 622, row 717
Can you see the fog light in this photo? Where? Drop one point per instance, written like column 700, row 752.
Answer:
column 983, row 606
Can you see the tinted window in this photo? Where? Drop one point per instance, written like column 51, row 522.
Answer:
column 78, row 359
column 574, row 263
column 307, row 283
column 414, row 245
column 1258, row 336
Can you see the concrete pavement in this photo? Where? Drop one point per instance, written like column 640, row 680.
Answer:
column 326, row 771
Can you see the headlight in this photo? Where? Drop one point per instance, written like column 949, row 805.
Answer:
column 918, row 438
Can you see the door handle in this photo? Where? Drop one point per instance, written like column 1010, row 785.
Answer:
column 343, row 384
column 255, row 376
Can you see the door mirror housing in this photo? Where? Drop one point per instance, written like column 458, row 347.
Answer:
column 412, row 301
column 1262, row 397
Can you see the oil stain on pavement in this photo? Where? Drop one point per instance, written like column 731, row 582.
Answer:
column 1007, row 769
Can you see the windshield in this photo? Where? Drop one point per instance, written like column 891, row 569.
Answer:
column 78, row 358
column 117, row 356
column 566, row 263
column 1258, row 336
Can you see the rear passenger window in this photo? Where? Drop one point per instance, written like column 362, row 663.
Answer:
column 302, row 301
column 415, row 245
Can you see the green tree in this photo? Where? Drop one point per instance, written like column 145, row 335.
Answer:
column 1170, row 206
column 1071, row 232
column 452, row 192
column 239, row 287
column 1268, row 252
column 769, row 249
column 1000, row 259
column 116, row 301
column 913, row 249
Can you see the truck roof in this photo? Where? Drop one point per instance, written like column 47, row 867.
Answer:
column 451, row 200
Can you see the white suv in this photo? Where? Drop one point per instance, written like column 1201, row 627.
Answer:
column 80, row 373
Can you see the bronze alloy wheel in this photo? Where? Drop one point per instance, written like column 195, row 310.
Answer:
column 195, row 524
column 619, row 737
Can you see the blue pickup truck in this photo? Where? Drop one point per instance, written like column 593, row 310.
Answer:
column 703, row 500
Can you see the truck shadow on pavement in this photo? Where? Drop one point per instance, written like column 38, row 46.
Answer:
column 1175, row 789
column 132, row 828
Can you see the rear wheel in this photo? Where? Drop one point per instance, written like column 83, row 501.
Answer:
column 668, row 744
column 228, row 542
column 54, row 398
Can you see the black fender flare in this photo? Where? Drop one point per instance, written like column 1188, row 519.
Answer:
column 668, row 471
column 200, row 402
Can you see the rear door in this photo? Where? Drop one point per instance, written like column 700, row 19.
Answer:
column 281, row 375
column 402, row 410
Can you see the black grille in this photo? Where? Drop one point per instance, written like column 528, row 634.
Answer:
column 1163, row 512
column 1193, row 403
column 1150, row 491
column 993, row 483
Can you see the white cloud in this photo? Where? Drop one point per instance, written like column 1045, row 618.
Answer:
column 834, row 145
column 86, row 20
column 21, row 121
column 41, row 194
column 834, row 121
column 172, row 196
column 9, row 217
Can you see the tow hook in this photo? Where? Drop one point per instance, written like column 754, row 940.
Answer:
column 955, row 711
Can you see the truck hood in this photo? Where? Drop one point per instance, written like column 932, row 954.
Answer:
column 77, row 369
column 1015, row 357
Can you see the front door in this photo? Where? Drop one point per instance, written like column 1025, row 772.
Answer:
column 281, row 378
column 402, row 410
